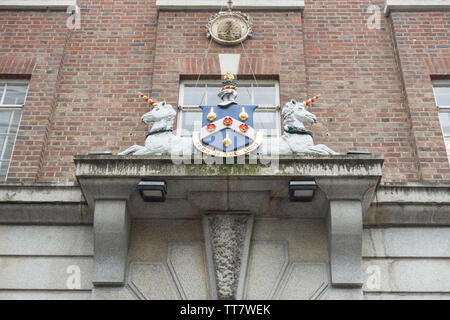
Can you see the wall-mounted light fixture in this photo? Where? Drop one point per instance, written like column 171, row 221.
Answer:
column 100, row 153
column 153, row 191
column 358, row 152
column 302, row 191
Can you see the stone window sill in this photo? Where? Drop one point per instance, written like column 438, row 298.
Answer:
column 416, row 5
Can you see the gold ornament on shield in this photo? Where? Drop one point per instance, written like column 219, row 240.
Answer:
column 211, row 115
column 243, row 115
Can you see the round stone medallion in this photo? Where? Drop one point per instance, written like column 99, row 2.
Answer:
column 229, row 28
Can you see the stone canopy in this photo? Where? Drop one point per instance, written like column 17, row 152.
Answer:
column 346, row 185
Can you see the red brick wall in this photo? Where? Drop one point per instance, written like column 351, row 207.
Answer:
column 126, row 46
column 354, row 69
column 32, row 44
column 107, row 63
column 275, row 49
column 423, row 42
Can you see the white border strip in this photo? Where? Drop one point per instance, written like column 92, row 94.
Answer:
column 416, row 5
column 176, row 5
column 36, row 4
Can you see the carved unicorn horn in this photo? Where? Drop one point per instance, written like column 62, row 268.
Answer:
column 308, row 102
column 149, row 100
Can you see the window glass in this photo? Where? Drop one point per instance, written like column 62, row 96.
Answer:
column 264, row 95
column 244, row 93
column 8, row 146
column 3, row 170
column 445, row 122
column 442, row 94
column 12, row 98
column 9, row 121
column 194, row 96
column 248, row 94
column 267, row 122
column 2, row 145
column 2, row 91
column 213, row 98
column 15, row 93
column 191, row 121
column 5, row 120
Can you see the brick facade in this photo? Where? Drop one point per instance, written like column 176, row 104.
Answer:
column 423, row 49
column 32, row 44
column 375, row 85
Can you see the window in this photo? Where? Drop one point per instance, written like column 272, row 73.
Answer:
column 265, row 94
column 12, row 99
column 442, row 96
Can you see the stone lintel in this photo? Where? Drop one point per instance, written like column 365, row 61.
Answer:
column 416, row 5
column 36, row 4
column 178, row 5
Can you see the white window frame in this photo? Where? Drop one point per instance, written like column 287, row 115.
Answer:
column 3, row 94
column 11, row 107
column 262, row 108
column 442, row 108
column 440, row 83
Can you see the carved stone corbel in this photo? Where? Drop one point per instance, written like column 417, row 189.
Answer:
column 227, row 240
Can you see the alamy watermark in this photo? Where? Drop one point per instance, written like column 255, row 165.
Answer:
column 74, row 20
column 374, row 20
column 373, row 281
column 73, row 281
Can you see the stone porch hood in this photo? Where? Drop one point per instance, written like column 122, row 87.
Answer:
column 196, row 189
column 346, row 186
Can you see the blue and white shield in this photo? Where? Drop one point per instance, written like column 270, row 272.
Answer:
column 228, row 129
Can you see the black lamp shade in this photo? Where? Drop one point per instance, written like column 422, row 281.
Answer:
column 153, row 191
column 302, row 191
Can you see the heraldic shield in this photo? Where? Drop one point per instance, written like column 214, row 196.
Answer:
column 228, row 132
column 228, row 128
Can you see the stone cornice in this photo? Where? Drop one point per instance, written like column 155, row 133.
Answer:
column 413, row 193
column 40, row 193
column 416, row 5
column 36, row 4
column 284, row 166
column 177, row 5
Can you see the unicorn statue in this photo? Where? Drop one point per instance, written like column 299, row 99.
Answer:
column 160, row 139
column 296, row 138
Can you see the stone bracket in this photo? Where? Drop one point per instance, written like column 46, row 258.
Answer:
column 227, row 242
column 111, row 235
column 349, row 198
column 345, row 243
